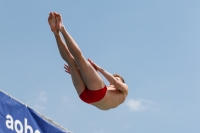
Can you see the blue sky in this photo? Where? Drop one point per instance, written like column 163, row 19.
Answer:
column 153, row 44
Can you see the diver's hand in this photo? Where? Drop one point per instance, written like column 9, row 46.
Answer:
column 96, row 67
column 67, row 69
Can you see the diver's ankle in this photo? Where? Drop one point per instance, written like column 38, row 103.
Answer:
column 62, row 29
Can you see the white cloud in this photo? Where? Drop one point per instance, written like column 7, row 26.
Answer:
column 64, row 99
column 43, row 97
column 40, row 101
column 39, row 107
column 101, row 131
column 138, row 105
column 127, row 127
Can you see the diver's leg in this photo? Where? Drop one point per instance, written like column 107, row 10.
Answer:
column 90, row 76
column 66, row 55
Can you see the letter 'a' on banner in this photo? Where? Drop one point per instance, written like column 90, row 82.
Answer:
column 15, row 117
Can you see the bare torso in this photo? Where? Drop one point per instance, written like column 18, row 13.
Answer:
column 112, row 99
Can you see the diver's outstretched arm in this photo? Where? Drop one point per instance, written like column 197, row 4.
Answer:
column 118, row 84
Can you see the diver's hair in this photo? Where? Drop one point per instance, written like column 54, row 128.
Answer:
column 117, row 75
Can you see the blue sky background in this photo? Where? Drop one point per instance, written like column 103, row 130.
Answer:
column 153, row 44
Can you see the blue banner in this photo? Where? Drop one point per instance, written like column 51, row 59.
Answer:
column 15, row 117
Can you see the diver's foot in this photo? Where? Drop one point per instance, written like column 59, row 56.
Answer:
column 59, row 24
column 52, row 23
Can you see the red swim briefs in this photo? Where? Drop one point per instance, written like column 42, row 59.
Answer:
column 91, row 96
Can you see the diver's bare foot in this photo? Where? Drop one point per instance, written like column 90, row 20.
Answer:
column 59, row 24
column 52, row 23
